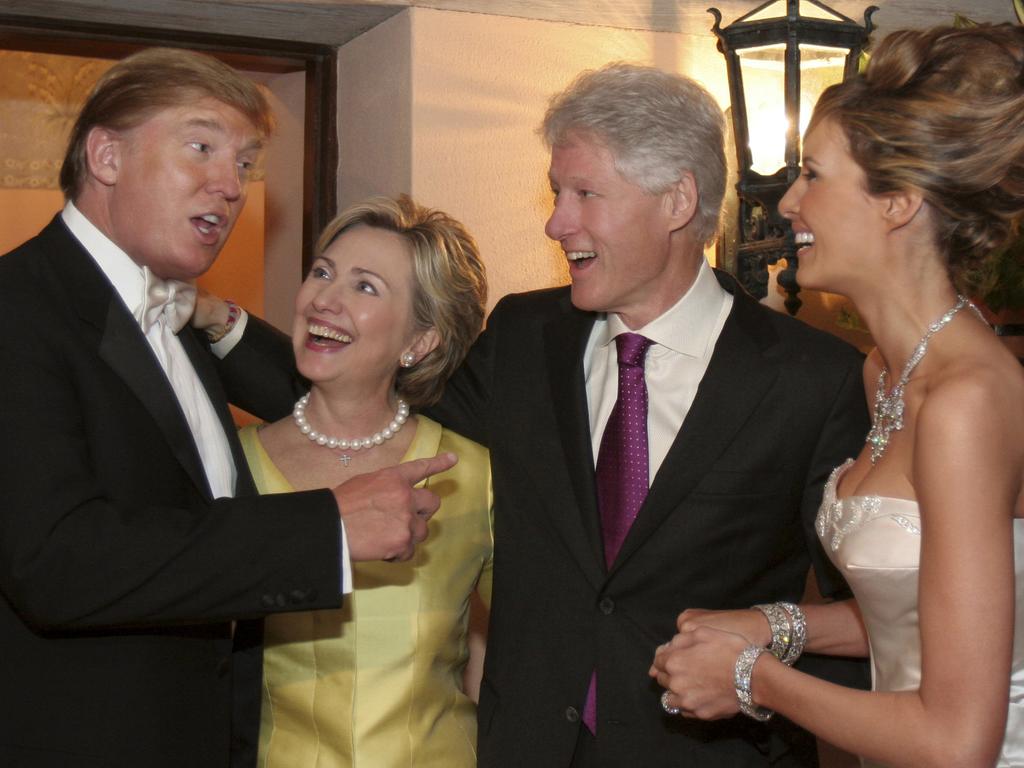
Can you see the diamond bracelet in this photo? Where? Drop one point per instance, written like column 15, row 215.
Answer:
column 789, row 630
column 779, row 622
column 797, row 632
column 741, row 677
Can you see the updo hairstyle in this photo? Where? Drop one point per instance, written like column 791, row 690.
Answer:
column 941, row 111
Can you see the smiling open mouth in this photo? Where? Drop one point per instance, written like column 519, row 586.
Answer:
column 323, row 334
column 207, row 223
column 578, row 256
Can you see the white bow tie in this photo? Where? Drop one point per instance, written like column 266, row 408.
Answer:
column 173, row 299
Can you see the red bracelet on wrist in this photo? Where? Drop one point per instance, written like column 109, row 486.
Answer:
column 234, row 312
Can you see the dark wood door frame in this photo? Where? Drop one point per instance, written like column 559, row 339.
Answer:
column 319, row 62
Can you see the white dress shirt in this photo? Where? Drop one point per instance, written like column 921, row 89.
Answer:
column 684, row 338
column 129, row 280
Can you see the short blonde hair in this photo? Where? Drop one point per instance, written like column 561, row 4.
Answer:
column 134, row 89
column 449, row 291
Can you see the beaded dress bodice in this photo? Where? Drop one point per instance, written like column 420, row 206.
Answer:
column 875, row 541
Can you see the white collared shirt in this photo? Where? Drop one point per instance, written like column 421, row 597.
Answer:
column 129, row 281
column 684, row 339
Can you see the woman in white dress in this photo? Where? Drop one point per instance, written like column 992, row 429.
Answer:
column 911, row 172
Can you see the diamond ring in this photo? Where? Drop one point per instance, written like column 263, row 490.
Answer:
column 669, row 709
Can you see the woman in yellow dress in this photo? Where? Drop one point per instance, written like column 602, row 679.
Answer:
column 394, row 298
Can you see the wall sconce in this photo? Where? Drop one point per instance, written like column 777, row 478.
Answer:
column 779, row 57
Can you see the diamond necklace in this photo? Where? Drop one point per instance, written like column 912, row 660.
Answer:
column 888, row 416
column 355, row 443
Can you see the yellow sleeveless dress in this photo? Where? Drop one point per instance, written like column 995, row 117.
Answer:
column 376, row 683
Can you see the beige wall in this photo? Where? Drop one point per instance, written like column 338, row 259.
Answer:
column 444, row 105
column 283, row 211
column 375, row 112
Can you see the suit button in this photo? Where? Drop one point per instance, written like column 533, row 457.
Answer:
column 297, row 596
column 607, row 606
column 268, row 601
column 572, row 715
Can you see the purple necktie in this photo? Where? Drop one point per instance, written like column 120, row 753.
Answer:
column 622, row 466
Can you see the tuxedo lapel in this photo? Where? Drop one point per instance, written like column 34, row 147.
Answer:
column 740, row 374
column 564, row 342
column 126, row 351
column 122, row 345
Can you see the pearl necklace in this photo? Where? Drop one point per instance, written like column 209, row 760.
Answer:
column 356, row 443
column 889, row 407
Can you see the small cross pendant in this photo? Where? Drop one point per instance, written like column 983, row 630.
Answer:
column 345, row 459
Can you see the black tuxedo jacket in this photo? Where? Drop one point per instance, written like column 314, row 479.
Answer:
column 728, row 523
column 119, row 574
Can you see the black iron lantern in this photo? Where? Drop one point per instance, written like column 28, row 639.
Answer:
column 780, row 57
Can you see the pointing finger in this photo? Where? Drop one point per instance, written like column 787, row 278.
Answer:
column 418, row 470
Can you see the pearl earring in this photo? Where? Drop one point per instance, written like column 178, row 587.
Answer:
column 407, row 360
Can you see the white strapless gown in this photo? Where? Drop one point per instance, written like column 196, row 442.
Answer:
column 876, row 544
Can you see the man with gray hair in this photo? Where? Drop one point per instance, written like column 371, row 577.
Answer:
column 659, row 442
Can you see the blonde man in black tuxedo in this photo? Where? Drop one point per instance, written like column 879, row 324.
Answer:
column 130, row 532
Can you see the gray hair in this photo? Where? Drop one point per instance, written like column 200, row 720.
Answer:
column 657, row 126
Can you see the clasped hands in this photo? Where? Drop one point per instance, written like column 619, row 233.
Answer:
column 385, row 513
column 696, row 666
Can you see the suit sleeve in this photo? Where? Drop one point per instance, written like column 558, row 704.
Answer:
column 100, row 525
column 464, row 406
column 259, row 372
